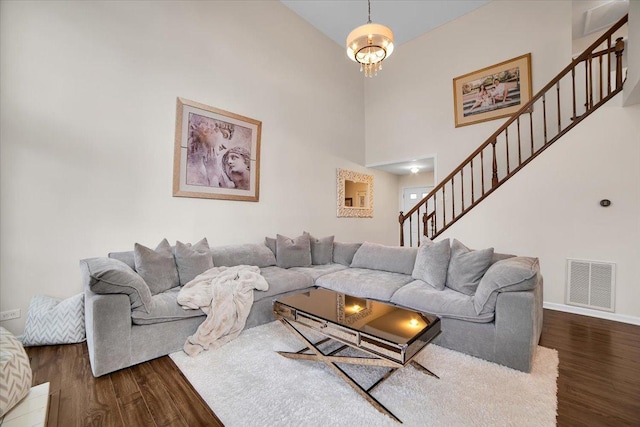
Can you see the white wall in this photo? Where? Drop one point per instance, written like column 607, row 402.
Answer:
column 550, row 209
column 409, row 105
column 87, row 127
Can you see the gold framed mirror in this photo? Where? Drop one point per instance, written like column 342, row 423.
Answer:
column 355, row 194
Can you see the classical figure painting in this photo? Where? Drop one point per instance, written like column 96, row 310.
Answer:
column 217, row 153
column 492, row 92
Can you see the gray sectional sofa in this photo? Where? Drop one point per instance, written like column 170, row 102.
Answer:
column 490, row 305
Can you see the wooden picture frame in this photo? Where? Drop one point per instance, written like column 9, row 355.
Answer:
column 492, row 92
column 217, row 153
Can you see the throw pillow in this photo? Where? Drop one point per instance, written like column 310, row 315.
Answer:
column 157, row 267
column 110, row 276
column 343, row 252
column 192, row 260
column 293, row 252
column 466, row 267
column 321, row 249
column 512, row 274
column 51, row 321
column 15, row 372
column 432, row 263
column 270, row 242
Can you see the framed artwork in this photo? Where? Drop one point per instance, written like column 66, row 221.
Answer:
column 492, row 92
column 217, row 153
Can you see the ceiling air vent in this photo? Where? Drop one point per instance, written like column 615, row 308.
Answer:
column 591, row 284
column 604, row 16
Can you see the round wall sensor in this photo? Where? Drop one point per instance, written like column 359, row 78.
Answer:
column 605, row 203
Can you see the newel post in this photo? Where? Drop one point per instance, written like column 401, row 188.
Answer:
column 401, row 221
column 494, row 177
column 619, row 49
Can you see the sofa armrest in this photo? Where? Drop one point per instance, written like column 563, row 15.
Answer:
column 518, row 326
column 108, row 327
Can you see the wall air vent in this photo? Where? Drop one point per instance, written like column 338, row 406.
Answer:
column 591, row 284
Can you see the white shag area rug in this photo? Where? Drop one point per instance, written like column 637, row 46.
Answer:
column 246, row 383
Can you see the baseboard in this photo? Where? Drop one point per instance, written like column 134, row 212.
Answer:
column 592, row 313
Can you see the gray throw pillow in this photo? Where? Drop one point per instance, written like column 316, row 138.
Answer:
column 466, row 267
column 270, row 242
column 321, row 249
column 110, row 276
column 343, row 252
column 192, row 260
column 157, row 268
column 512, row 274
column 432, row 263
column 293, row 252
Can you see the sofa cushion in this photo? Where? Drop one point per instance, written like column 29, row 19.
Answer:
column 293, row 252
column 395, row 259
column 343, row 252
column 316, row 271
column 164, row 308
column 512, row 274
column 467, row 267
column 321, row 249
column 157, row 267
column 248, row 254
column 110, row 276
column 282, row 280
column 52, row 321
column 432, row 263
column 126, row 257
column 192, row 260
column 497, row 256
column 420, row 296
column 15, row 374
column 364, row 283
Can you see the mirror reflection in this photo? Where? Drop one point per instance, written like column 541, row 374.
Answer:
column 355, row 194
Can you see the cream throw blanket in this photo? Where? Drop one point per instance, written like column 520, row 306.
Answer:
column 225, row 294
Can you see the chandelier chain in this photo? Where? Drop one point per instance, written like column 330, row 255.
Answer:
column 369, row 2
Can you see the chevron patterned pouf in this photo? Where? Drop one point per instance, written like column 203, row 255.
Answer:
column 51, row 321
column 15, row 372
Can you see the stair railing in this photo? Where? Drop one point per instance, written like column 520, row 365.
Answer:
column 577, row 91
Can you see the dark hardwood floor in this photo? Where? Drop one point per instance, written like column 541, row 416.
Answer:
column 599, row 373
column 598, row 385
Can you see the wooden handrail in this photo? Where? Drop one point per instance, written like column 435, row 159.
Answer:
column 587, row 56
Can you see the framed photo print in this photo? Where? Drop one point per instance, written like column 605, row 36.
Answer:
column 217, row 153
column 492, row 92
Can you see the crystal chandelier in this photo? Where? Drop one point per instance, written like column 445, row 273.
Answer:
column 369, row 45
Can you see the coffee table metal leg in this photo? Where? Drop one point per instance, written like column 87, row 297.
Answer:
column 422, row 369
column 319, row 356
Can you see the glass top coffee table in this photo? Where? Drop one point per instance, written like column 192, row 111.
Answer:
column 389, row 336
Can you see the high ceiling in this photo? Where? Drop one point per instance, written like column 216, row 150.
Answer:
column 409, row 19
column 406, row 18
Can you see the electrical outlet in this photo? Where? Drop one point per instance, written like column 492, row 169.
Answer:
column 10, row 314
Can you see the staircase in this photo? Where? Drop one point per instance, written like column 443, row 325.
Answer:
column 592, row 79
